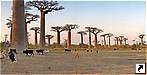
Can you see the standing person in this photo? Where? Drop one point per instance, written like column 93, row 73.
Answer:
column 76, row 55
column 12, row 56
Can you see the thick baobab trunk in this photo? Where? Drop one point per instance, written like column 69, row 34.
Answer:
column 142, row 41
column 69, row 39
column 11, row 35
column 18, row 25
column 109, row 41
column 89, row 39
column 35, row 38
column 117, row 42
column 58, row 38
column 82, row 39
column 26, row 37
column 120, row 42
column 95, row 41
column 104, row 41
column 42, row 30
column 49, row 41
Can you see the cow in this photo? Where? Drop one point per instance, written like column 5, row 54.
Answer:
column 28, row 52
column 67, row 50
column 91, row 50
column 87, row 50
column 39, row 51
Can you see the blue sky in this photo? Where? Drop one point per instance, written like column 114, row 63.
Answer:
column 119, row 17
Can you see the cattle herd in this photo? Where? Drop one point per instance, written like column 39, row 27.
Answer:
column 31, row 52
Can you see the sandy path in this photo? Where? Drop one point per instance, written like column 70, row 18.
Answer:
column 61, row 62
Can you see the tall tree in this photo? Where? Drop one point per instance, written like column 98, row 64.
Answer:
column 125, row 40
column 58, row 29
column 81, row 33
column 141, row 36
column 18, row 27
column 89, row 31
column 109, row 35
column 6, row 36
column 121, row 39
column 36, row 31
column 49, row 37
column 69, row 27
column 95, row 31
column 44, row 7
column 28, row 19
column 9, row 24
column 104, row 36
column 117, row 40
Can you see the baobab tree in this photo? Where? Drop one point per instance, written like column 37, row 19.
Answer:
column 28, row 19
column 125, row 40
column 104, row 36
column 58, row 29
column 95, row 31
column 44, row 7
column 117, row 40
column 9, row 24
column 109, row 35
column 141, row 38
column 49, row 37
column 36, row 31
column 81, row 33
column 69, row 27
column 6, row 36
column 28, row 38
column 121, row 39
column 18, row 27
column 89, row 32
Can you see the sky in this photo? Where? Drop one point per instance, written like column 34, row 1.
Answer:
column 125, row 18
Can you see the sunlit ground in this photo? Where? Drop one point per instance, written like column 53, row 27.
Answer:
column 57, row 62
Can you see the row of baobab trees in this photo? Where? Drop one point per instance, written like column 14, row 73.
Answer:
column 70, row 27
column 45, row 7
column 91, row 30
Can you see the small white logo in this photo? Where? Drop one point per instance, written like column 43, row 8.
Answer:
column 140, row 68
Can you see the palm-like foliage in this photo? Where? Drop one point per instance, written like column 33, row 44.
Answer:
column 109, row 35
column 81, row 33
column 30, row 17
column 69, row 27
column 44, row 7
column 141, row 36
column 9, row 23
column 95, row 31
column 36, row 30
column 58, row 29
column 49, row 37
